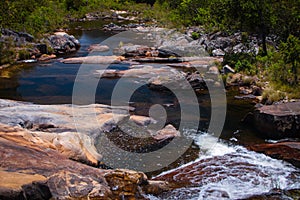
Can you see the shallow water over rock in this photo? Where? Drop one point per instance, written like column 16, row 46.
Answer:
column 232, row 173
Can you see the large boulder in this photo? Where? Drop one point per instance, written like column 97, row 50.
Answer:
column 278, row 121
column 63, row 43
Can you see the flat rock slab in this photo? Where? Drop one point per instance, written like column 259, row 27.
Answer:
column 53, row 126
column 278, row 121
column 94, row 60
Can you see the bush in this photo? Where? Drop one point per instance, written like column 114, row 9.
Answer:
column 242, row 62
column 270, row 95
column 23, row 54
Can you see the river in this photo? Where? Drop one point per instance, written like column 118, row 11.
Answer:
column 243, row 173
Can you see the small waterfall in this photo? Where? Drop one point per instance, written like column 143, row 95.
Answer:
column 224, row 171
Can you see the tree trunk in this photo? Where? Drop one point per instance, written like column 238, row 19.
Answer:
column 263, row 30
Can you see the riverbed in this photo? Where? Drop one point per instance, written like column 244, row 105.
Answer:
column 232, row 171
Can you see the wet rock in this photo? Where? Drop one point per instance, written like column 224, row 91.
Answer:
column 98, row 48
column 277, row 194
column 245, row 97
column 288, row 151
column 278, row 121
column 63, row 43
column 66, row 185
column 142, row 120
column 156, row 187
column 125, row 184
column 168, row 132
column 46, row 57
column 94, row 60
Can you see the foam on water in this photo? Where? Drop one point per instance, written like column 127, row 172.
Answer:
column 233, row 172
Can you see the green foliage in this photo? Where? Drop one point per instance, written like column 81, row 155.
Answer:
column 291, row 56
column 23, row 54
column 270, row 95
column 195, row 35
column 7, row 53
column 45, row 18
column 242, row 62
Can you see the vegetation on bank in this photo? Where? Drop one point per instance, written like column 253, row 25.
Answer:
column 278, row 63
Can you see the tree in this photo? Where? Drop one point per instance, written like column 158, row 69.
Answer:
column 291, row 55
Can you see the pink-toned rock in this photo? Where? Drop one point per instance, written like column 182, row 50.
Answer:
column 98, row 48
column 46, row 57
column 166, row 133
column 94, row 60
column 141, row 120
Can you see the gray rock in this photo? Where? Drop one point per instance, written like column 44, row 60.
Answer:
column 218, row 52
column 62, row 43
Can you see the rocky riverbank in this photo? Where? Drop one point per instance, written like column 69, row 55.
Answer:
column 40, row 147
column 23, row 47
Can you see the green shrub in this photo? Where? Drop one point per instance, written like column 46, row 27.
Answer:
column 270, row 95
column 195, row 35
column 23, row 54
column 242, row 62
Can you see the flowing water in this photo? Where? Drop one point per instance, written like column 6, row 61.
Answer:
column 225, row 171
column 228, row 170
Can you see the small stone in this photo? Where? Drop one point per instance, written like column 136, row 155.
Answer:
column 227, row 69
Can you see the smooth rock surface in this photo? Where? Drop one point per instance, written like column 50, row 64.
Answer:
column 94, row 60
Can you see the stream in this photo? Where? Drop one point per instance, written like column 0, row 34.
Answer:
column 228, row 169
